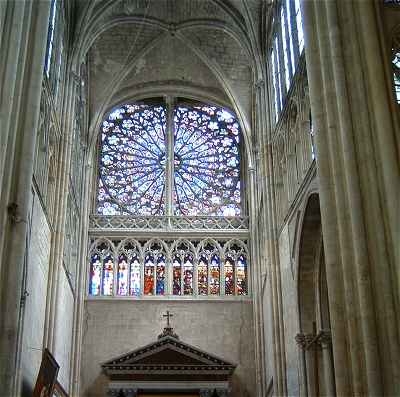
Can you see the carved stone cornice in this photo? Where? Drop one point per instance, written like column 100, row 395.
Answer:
column 213, row 392
column 122, row 392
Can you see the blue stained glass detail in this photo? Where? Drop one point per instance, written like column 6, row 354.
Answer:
column 108, row 276
column 241, row 282
column 176, row 287
column 207, row 179
column 123, row 275
column 160, row 281
column 135, row 276
column 396, row 75
column 95, row 275
column 132, row 161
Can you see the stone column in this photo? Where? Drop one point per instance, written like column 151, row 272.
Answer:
column 301, row 343
column 79, row 305
column 325, row 341
column 23, row 40
column 273, row 252
column 358, row 168
column 310, row 347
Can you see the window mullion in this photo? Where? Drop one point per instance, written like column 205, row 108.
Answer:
column 169, row 167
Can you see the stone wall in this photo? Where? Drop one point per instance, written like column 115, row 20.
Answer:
column 268, row 337
column 112, row 328
column 37, row 272
column 290, row 317
column 64, row 322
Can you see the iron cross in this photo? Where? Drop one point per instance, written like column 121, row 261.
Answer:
column 168, row 315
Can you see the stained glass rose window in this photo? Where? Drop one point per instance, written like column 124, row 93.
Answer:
column 205, row 163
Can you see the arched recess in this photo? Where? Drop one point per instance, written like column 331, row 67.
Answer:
column 314, row 337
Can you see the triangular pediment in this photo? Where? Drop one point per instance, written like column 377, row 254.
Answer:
column 165, row 352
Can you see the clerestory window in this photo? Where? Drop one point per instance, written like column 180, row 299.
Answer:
column 396, row 74
column 286, row 48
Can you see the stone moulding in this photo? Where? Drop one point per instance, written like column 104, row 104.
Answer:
column 104, row 225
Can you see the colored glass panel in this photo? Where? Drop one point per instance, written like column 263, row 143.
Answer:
column 206, row 162
column 202, row 277
column 149, row 276
column 132, row 161
column 214, row 275
column 108, row 276
column 274, row 87
column 50, row 38
column 95, row 275
column 160, row 281
column 135, row 276
column 241, row 271
column 229, row 277
column 123, row 275
column 285, row 50
column 188, row 275
column 299, row 24
column 290, row 34
column 278, row 73
column 396, row 75
column 176, row 287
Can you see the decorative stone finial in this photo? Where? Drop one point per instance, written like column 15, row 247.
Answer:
column 168, row 330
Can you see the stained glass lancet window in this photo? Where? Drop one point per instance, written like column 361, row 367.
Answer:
column 157, row 268
column 209, row 269
column 129, row 269
column 396, row 74
column 235, row 268
column 134, row 159
column 183, row 265
column 286, row 48
column 102, row 270
column 50, row 38
column 154, row 268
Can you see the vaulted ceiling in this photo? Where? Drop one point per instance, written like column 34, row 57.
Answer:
column 205, row 49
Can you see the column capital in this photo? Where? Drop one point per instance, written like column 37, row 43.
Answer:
column 259, row 83
column 300, row 340
column 325, row 339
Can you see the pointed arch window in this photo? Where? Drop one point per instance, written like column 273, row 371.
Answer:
column 396, row 63
column 170, row 158
column 183, row 253
column 129, row 269
column 102, row 269
column 287, row 46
